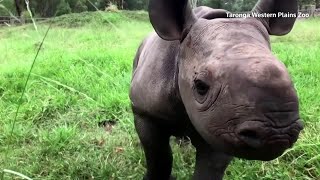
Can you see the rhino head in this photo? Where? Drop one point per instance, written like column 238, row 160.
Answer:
column 237, row 94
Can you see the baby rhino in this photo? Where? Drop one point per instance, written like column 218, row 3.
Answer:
column 213, row 79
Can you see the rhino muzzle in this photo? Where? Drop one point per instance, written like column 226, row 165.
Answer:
column 262, row 142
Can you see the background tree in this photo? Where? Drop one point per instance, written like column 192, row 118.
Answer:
column 211, row 3
column 7, row 6
column 49, row 8
column 20, row 6
column 230, row 5
column 306, row 2
column 63, row 8
column 80, row 6
column 137, row 4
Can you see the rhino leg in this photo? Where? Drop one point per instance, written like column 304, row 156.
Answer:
column 155, row 141
column 210, row 164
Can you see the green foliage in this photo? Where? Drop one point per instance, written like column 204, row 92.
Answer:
column 306, row 2
column 211, row 3
column 230, row 5
column 25, row 14
column 49, row 8
column 7, row 6
column 137, row 4
column 80, row 6
column 82, row 77
column 63, row 8
column 112, row 7
column 244, row 5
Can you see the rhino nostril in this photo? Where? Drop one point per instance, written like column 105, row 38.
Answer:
column 251, row 137
column 249, row 134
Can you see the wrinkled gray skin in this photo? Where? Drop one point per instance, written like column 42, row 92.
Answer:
column 215, row 80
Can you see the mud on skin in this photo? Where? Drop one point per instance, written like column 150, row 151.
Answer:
column 215, row 80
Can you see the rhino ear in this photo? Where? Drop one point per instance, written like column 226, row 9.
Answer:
column 171, row 18
column 278, row 25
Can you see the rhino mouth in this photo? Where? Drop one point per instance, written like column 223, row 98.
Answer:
column 257, row 142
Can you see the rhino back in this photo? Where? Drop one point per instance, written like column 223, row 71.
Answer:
column 154, row 89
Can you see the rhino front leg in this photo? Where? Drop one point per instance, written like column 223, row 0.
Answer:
column 210, row 164
column 155, row 141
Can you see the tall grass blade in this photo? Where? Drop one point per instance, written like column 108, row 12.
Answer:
column 26, row 82
column 24, row 89
column 16, row 173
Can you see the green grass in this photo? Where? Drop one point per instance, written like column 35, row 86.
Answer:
column 82, row 77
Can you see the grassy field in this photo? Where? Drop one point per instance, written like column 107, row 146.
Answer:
column 78, row 90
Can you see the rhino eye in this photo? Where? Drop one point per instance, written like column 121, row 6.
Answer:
column 201, row 87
